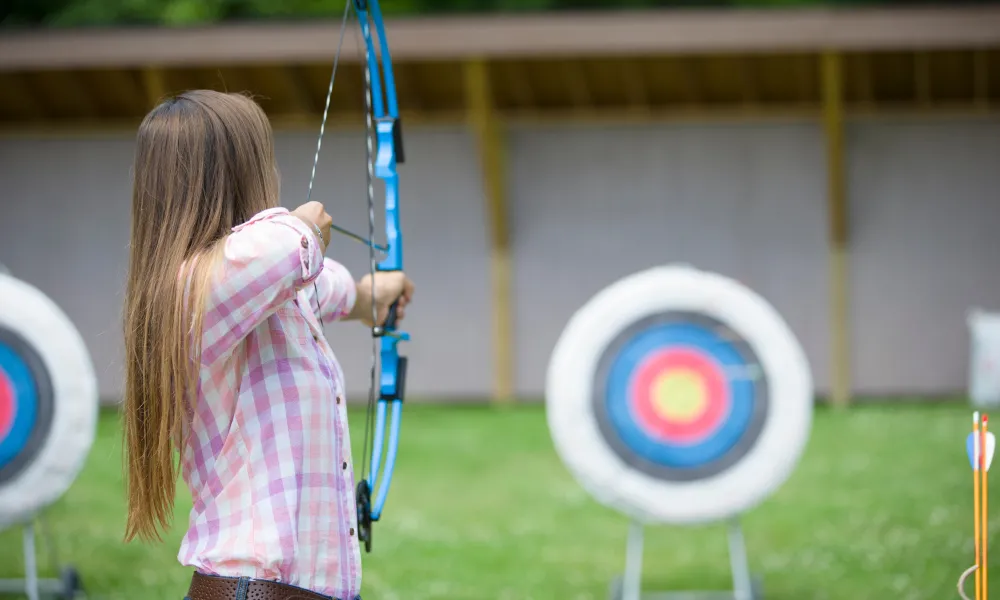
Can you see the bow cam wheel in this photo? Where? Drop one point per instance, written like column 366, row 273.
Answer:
column 363, row 497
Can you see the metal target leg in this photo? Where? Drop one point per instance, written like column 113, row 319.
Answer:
column 30, row 567
column 742, row 582
column 629, row 585
column 632, row 582
column 32, row 586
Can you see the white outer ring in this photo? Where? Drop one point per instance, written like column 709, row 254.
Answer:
column 611, row 481
column 32, row 315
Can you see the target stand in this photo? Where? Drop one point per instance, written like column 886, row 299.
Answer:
column 48, row 417
column 629, row 585
column 678, row 396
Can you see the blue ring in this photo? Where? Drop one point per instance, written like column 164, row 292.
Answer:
column 619, row 382
column 25, row 404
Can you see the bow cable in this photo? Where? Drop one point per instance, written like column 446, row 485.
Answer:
column 368, row 469
column 370, row 241
column 372, row 438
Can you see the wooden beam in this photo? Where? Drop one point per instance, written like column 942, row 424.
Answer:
column 340, row 120
column 343, row 119
column 407, row 88
column 804, row 78
column 289, row 79
column 127, row 90
column 519, row 83
column 576, row 84
column 922, row 78
column 17, row 89
column 981, row 81
column 865, row 84
column 74, row 87
column 749, row 80
column 485, row 122
column 635, row 84
column 234, row 80
column 155, row 86
column 689, row 79
column 833, row 126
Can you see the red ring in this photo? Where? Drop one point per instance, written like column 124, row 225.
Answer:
column 6, row 405
column 651, row 421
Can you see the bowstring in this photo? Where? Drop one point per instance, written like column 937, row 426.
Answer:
column 370, row 242
column 319, row 144
column 329, row 96
column 370, row 180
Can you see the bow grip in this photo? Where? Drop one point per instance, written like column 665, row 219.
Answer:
column 390, row 319
column 394, row 386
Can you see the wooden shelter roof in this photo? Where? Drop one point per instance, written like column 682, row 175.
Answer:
column 620, row 65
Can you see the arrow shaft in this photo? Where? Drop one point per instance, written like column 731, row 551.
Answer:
column 976, row 517
column 985, row 508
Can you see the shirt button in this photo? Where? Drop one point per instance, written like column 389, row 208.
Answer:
column 338, row 399
column 305, row 243
column 351, row 531
column 344, row 465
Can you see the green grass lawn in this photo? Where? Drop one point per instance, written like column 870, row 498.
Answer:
column 481, row 507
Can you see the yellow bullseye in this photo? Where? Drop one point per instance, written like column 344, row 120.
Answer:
column 679, row 395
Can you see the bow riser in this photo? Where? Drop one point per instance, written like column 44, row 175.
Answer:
column 385, row 169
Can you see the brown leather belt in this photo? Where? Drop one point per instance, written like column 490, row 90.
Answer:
column 212, row 587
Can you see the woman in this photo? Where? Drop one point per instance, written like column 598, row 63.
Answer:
column 226, row 362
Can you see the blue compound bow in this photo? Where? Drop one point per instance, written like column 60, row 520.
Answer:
column 383, row 120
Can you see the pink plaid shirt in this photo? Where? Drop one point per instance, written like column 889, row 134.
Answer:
column 268, row 460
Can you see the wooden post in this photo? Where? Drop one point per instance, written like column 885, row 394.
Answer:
column 981, row 79
column 156, row 89
column 833, row 126
column 492, row 155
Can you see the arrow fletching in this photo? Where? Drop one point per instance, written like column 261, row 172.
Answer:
column 972, row 449
column 991, row 444
column 972, row 443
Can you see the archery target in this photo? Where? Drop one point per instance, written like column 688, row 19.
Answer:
column 679, row 396
column 48, row 401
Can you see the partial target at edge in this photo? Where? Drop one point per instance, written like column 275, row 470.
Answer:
column 48, row 401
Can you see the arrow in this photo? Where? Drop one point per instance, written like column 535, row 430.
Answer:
column 990, row 446
column 973, row 447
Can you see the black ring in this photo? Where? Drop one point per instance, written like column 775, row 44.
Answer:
column 45, row 404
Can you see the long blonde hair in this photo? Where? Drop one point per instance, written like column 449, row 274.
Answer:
column 204, row 162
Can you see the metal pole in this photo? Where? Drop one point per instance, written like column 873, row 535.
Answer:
column 30, row 568
column 632, row 582
column 742, row 584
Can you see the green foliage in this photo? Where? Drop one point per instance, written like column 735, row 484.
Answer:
column 70, row 13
